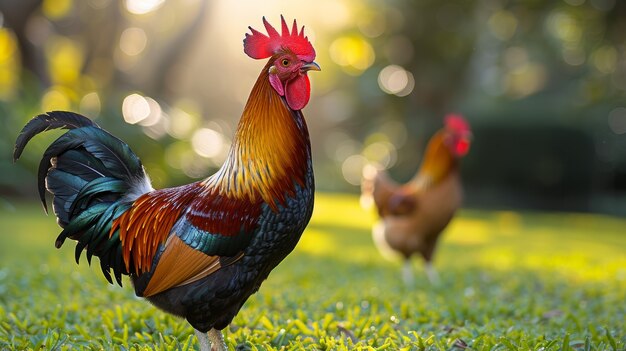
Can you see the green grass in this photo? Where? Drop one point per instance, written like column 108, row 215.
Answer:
column 510, row 281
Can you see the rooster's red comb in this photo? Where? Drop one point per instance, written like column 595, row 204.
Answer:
column 258, row 45
column 456, row 122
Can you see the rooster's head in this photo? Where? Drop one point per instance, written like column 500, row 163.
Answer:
column 292, row 56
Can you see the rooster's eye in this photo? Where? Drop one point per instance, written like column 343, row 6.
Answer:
column 285, row 62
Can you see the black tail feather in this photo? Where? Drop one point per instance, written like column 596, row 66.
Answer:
column 88, row 171
column 65, row 186
column 82, row 165
column 48, row 121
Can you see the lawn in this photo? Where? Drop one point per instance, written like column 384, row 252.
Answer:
column 510, row 281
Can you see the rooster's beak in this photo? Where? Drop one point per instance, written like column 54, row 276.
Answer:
column 311, row 66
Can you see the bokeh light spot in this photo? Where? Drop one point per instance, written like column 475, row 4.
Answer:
column 99, row 4
column 90, row 104
column 142, row 7
column 565, row 27
column 503, row 24
column 182, row 124
column 573, row 56
column 55, row 99
column 9, row 64
column 142, row 110
column 353, row 53
column 207, row 142
column 373, row 24
column 525, row 80
column 352, row 168
column 605, row 59
column 133, row 41
column 56, row 9
column 135, row 108
column 617, row 120
column 382, row 153
column 575, row 2
column 515, row 57
column 65, row 60
column 396, row 80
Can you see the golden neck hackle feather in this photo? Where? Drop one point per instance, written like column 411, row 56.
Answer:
column 269, row 152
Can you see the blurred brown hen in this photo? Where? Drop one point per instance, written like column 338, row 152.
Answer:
column 413, row 215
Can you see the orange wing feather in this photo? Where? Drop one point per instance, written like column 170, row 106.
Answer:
column 179, row 265
column 148, row 223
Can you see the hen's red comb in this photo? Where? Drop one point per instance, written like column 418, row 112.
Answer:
column 456, row 122
column 259, row 46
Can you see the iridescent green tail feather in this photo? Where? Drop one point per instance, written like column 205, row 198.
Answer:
column 89, row 173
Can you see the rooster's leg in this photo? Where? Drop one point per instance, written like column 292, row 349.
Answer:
column 217, row 340
column 407, row 272
column 203, row 340
column 211, row 341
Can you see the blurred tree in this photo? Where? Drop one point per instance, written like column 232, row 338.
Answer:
column 518, row 70
column 88, row 56
column 16, row 15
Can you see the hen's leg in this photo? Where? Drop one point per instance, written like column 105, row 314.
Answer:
column 407, row 272
column 217, row 340
column 431, row 272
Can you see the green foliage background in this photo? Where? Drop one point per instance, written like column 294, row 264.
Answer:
column 518, row 70
column 509, row 282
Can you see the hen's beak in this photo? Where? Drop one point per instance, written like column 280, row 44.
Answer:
column 311, row 66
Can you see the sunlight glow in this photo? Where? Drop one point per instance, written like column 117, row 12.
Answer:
column 142, row 7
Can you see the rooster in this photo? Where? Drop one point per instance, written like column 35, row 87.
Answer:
column 413, row 215
column 197, row 251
